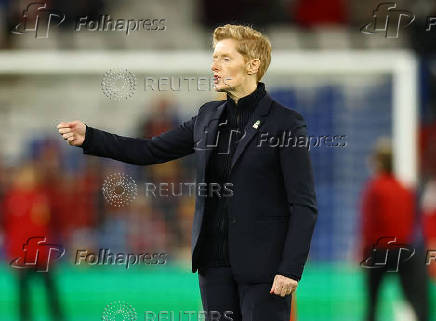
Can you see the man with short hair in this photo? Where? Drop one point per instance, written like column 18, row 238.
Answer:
column 250, row 248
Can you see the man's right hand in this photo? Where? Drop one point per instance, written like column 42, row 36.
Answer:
column 73, row 132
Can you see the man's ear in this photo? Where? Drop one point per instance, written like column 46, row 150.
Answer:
column 253, row 66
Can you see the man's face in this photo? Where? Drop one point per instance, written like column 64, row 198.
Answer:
column 229, row 68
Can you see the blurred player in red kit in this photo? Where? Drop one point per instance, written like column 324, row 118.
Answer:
column 28, row 239
column 388, row 215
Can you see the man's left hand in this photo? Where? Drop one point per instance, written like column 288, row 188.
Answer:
column 283, row 286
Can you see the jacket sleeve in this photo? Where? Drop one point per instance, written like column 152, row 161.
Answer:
column 172, row 144
column 299, row 183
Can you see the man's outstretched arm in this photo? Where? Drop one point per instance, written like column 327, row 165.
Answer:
column 175, row 143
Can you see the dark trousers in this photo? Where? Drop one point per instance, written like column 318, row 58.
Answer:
column 24, row 280
column 413, row 276
column 224, row 299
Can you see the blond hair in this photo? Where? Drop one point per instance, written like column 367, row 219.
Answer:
column 251, row 44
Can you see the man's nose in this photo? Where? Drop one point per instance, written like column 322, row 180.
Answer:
column 214, row 67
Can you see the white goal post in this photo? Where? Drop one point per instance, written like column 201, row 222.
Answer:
column 402, row 65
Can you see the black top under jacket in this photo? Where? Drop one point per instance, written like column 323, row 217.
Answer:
column 230, row 130
column 272, row 211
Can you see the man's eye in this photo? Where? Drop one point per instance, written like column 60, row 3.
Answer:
column 226, row 59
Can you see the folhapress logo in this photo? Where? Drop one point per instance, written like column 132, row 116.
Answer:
column 388, row 254
column 38, row 254
column 388, row 19
column 38, row 18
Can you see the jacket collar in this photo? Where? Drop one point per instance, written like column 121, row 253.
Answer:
column 256, row 120
column 248, row 102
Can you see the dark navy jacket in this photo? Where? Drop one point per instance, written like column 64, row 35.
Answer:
column 273, row 208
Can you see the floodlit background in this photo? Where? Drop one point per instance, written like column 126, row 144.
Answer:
column 358, row 86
